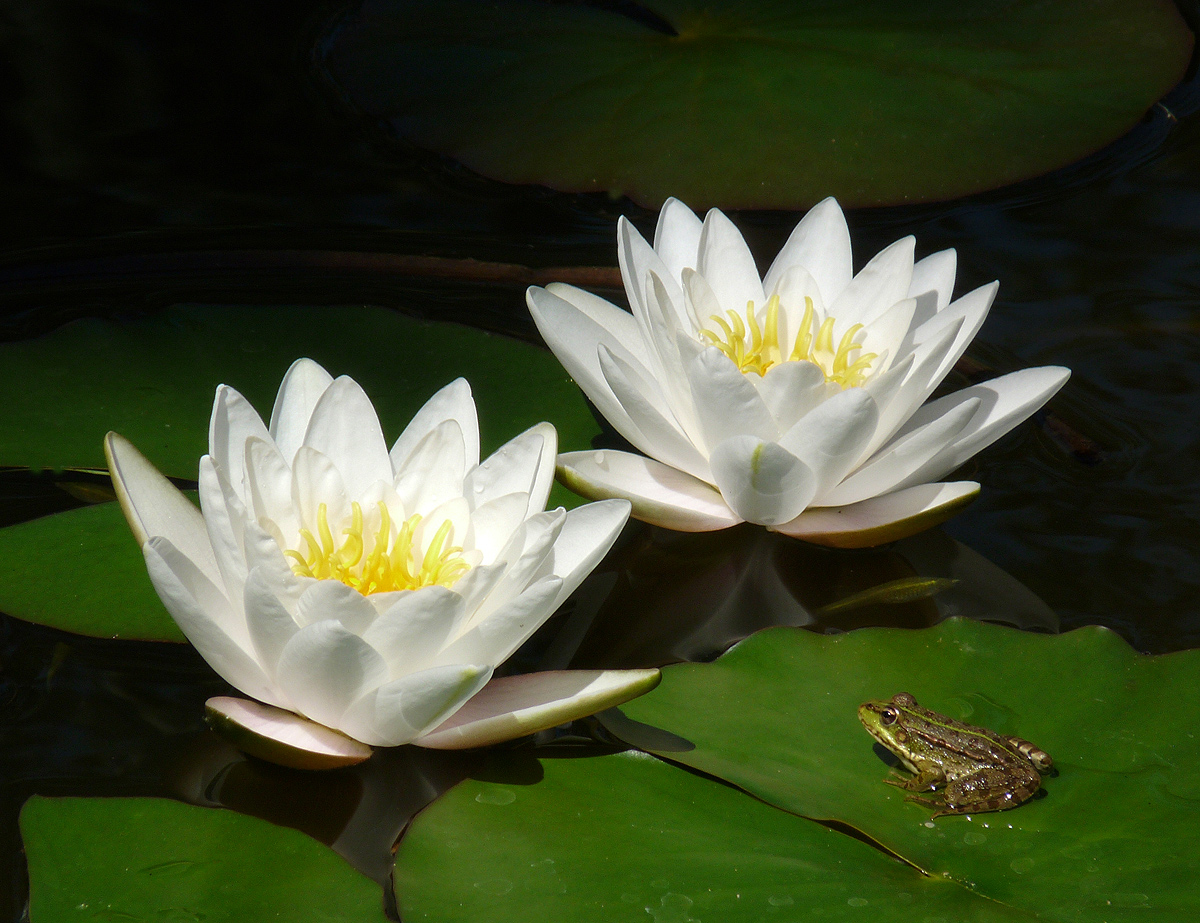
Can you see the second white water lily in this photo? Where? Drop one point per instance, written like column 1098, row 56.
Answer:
column 372, row 592
column 797, row 400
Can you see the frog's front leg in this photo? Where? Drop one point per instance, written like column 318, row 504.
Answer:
column 925, row 781
column 989, row 789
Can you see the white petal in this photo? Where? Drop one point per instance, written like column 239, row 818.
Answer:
column 821, row 244
column 790, row 390
column 154, row 506
column 727, row 264
column 935, row 274
column 201, row 610
column 1006, row 401
column 726, row 402
column 795, row 288
column 637, row 260
column 233, row 421
column 404, row 708
column 299, row 392
column 761, row 481
column 224, row 519
column 620, row 324
column 281, row 737
column 659, row 434
column 325, row 667
column 345, row 429
column 524, row 464
column 494, row 522
column 528, row 549
column 882, row 519
column 677, row 237
column 414, row 628
column 574, row 337
column 830, row 439
column 583, row 540
column 660, row 495
column 493, row 639
column 453, row 402
column 878, row 285
column 433, row 471
column 893, row 466
column 513, row 706
column 324, row 601
column 269, row 488
column 315, row 481
column 268, row 619
column 889, row 332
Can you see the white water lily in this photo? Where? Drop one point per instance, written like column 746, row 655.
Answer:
column 371, row 591
column 796, row 401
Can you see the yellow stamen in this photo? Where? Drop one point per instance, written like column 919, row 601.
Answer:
column 392, row 563
column 813, row 343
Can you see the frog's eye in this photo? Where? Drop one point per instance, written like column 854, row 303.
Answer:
column 889, row 715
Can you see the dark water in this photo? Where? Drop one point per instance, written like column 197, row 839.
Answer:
column 155, row 153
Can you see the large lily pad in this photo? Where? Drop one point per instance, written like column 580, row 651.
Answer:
column 1112, row 838
column 627, row 837
column 151, row 859
column 766, row 104
column 152, row 380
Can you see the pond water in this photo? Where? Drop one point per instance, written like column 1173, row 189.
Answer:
column 193, row 154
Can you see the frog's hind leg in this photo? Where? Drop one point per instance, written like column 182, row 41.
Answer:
column 989, row 789
column 1035, row 754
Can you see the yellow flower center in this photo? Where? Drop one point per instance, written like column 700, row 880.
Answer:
column 755, row 348
column 392, row 564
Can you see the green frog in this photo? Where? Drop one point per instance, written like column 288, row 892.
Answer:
column 976, row 769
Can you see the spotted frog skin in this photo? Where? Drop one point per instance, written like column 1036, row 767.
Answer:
column 971, row 768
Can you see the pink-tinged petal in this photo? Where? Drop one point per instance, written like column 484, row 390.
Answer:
column 830, row 439
column 333, row 601
column 299, row 392
column 494, row 639
column 524, row 464
column 584, row 539
column 821, row 244
column 154, row 506
column 493, row 523
column 345, row 429
column 269, row 488
column 1005, row 402
column 727, row 264
column 281, row 737
column 233, row 421
column 659, row 433
column 404, row 708
column 325, row 667
column 203, row 613
column 727, row 404
column 935, row 274
column 761, row 481
column 893, row 466
column 315, row 480
column 790, row 390
column 268, row 619
column 660, row 495
column 677, row 237
column 575, row 337
column 878, row 285
column 513, row 706
column 415, row 627
column 882, row 519
column 433, row 471
column 453, row 402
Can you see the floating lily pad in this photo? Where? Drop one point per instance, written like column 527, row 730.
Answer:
column 776, row 716
column 627, row 837
column 151, row 859
column 152, row 380
column 765, row 104
column 81, row 571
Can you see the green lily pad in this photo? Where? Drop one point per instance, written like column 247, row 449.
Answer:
column 82, row 571
column 627, row 837
column 762, row 104
column 777, row 716
column 117, row 859
column 152, row 380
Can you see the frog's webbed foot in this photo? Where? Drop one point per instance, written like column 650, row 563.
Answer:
column 930, row 803
column 925, row 782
